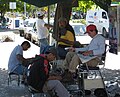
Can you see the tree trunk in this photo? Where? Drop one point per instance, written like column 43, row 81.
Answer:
column 62, row 10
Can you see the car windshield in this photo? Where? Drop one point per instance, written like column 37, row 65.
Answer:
column 79, row 29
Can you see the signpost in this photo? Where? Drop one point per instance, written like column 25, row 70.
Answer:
column 12, row 6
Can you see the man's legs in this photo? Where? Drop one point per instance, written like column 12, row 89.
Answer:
column 58, row 87
column 68, row 59
column 94, row 62
column 74, row 63
column 61, row 52
column 43, row 43
column 20, row 69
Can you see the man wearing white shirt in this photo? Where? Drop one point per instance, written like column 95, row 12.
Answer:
column 95, row 48
column 42, row 30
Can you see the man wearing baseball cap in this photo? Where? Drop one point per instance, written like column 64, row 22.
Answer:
column 44, row 79
column 90, row 28
column 42, row 31
column 95, row 48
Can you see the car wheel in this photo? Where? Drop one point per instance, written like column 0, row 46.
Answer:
column 25, row 35
column 32, row 40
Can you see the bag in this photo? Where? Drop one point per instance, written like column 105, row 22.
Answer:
column 38, row 72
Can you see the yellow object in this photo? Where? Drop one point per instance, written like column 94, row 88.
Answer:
column 68, row 36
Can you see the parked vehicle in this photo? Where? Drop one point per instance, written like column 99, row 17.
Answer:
column 98, row 17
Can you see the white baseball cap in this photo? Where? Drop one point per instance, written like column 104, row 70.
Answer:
column 40, row 13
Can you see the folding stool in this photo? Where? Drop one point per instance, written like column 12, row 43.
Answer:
column 12, row 75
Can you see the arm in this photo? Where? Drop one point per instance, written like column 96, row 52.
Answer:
column 65, row 41
column 68, row 38
column 48, row 25
column 23, row 60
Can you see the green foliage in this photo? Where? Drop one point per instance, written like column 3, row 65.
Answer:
column 84, row 6
column 4, row 7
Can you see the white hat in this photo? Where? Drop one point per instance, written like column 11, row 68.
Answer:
column 40, row 13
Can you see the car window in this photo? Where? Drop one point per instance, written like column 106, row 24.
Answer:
column 79, row 29
column 104, row 16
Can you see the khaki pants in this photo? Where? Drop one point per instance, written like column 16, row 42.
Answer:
column 72, row 60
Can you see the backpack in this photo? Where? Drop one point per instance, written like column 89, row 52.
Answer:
column 38, row 73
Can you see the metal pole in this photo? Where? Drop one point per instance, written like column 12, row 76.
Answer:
column 48, row 14
column 13, row 18
column 25, row 9
column 118, row 26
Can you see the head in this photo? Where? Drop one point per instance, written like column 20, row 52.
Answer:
column 91, row 30
column 25, row 45
column 62, row 22
column 51, row 53
column 41, row 14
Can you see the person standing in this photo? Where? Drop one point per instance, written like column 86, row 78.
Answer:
column 42, row 31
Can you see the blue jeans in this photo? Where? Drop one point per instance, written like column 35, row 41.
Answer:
column 20, row 69
column 61, row 52
column 43, row 43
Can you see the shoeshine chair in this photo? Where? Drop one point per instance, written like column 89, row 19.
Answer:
column 90, row 78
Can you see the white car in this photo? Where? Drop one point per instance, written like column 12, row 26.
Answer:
column 80, row 29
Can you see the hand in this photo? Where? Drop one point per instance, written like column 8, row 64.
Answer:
column 72, row 49
column 87, row 53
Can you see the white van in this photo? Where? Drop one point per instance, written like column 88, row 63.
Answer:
column 98, row 17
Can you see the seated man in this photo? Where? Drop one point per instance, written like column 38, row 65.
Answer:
column 93, row 51
column 41, row 80
column 17, row 63
column 66, row 37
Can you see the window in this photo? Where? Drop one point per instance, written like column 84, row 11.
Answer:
column 104, row 16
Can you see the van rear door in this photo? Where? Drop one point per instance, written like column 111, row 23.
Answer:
column 90, row 17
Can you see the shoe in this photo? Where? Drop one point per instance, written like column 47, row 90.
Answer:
column 67, row 77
